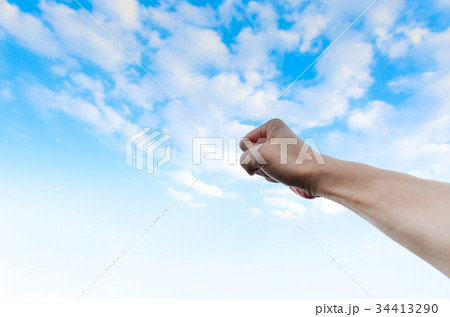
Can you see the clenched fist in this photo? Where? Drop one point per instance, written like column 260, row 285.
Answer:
column 276, row 153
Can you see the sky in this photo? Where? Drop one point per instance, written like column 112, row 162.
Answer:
column 78, row 79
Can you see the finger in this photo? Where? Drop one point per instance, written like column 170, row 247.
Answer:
column 302, row 192
column 245, row 144
column 251, row 160
column 261, row 132
column 270, row 180
column 260, row 172
column 253, row 137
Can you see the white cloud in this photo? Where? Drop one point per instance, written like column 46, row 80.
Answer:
column 64, row 66
column 228, row 10
column 125, row 12
column 208, row 189
column 254, row 45
column 82, row 37
column 310, row 23
column 256, row 210
column 137, row 91
column 385, row 14
column 85, row 82
column 381, row 20
column 373, row 116
column 185, row 197
column 190, row 51
column 283, row 213
column 415, row 139
column 175, row 17
column 326, row 206
column 347, row 68
column 28, row 30
column 443, row 3
column 58, row 70
column 183, row 177
column 343, row 75
column 399, row 39
column 282, row 200
column 6, row 94
column 103, row 118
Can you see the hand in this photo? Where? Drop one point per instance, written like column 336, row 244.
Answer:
column 276, row 153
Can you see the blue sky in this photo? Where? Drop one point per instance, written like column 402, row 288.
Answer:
column 70, row 96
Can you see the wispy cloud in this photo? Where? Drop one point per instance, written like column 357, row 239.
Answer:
column 29, row 30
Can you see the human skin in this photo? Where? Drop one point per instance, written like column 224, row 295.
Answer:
column 414, row 212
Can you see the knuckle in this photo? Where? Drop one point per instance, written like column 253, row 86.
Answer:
column 265, row 152
column 242, row 145
column 243, row 159
column 276, row 121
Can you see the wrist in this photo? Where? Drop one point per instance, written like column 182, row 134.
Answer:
column 349, row 183
column 310, row 178
column 327, row 177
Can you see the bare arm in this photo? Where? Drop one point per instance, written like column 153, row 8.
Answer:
column 412, row 211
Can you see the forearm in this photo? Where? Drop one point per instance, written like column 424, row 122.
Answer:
column 412, row 211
